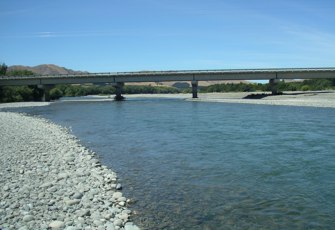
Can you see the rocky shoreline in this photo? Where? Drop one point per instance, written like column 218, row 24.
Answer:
column 49, row 181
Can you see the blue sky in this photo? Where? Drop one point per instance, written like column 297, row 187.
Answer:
column 131, row 35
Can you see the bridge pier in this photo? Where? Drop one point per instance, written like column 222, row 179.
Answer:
column 118, row 94
column 194, row 89
column 46, row 92
column 274, row 86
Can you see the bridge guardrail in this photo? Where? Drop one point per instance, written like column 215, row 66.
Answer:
column 175, row 72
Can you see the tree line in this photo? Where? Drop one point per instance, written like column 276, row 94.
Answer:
column 33, row 93
column 18, row 93
column 84, row 90
column 306, row 85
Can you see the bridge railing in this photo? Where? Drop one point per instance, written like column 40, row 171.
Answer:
column 175, row 72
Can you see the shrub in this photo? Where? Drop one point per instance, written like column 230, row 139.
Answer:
column 305, row 88
column 55, row 94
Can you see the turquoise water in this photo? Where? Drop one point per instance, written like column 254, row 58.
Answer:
column 196, row 165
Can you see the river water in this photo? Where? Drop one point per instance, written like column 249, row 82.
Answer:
column 198, row 165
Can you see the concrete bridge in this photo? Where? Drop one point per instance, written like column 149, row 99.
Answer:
column 118, row 79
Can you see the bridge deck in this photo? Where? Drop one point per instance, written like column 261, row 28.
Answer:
column 161, row 76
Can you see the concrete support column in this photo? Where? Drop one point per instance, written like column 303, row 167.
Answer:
column 46, row 91
column 194, row 89
column 273, row 86
column 118, row 88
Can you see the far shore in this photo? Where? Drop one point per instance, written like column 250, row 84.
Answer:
column 297, row 98
column 309, row 98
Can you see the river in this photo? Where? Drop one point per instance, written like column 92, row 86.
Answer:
column 199, row 165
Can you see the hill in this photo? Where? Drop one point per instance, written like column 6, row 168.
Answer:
column 45, row 69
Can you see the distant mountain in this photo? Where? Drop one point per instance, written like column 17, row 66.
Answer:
column 45, row 69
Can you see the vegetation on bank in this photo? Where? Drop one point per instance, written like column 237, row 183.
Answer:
column 306, row 85
column 33, row 93
column 84, row 90
column 18, row 93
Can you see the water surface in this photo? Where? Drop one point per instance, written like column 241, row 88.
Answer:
column 196, row 165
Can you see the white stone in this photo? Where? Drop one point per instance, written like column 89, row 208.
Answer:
column 118, row 187
column 28, row 218
column 78, row 195
column 72, row 202
column 122, row 199
column 117, row 222
column 83, row 212
column 124, row 216
column 122, row 203
column 131, row 227
column 56, row 224
column 71, row 228
column 117, row 195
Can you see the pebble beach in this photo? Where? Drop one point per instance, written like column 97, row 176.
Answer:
column 50, row 181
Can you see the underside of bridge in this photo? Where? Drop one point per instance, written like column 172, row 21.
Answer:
column 46, row 91
column 119, row 88
column 194, row 89
column 274, row 86
column 118, row 91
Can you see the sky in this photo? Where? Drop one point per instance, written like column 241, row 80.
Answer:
column 137, row 35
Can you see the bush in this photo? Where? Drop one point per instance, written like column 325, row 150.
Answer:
column 3, row 69
column 55, row 94
column 305, row 88
column 16, row 94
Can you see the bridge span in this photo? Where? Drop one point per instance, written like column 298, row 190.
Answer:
column 118, row 79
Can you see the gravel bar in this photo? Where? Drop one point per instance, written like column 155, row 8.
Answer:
column 324, row 99
column 49, row 181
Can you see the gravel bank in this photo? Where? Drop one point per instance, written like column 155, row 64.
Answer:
column 49, row 181
column 22, row 104
column 311, row 98
column 324, row 99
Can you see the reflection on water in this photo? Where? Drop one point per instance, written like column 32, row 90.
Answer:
column 193, row 165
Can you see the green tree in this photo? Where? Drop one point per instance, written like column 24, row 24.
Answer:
column 55, row 93
column 305, row 88
column 18, row 93
column 3, row 69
